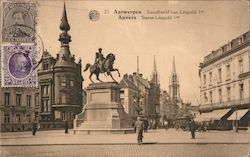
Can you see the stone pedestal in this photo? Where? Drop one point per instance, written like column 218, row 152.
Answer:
column 103, row 112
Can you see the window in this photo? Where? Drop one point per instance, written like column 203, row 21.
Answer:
column 71, row 83
column 28, row 100
column 45, row 105
column 219, row 75
column 240, row 40
column 45, row 90
column 204, row 79
column 241, row 66
column 241, row 91
column 220, row 95
column 229, row 46
column 18, row 118
column 63, row 97
column 63, row 82
column 28, row 118
column 211, row 96
column 45, row 65
column 228, row 70
column 37, row 99
column 228, row 93
column 210, row 77
column 7, row 99
column 18, row 99
column 6, row 118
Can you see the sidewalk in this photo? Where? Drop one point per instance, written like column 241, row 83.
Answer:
column 161, row 136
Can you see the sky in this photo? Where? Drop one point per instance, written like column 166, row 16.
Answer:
column 188, row 37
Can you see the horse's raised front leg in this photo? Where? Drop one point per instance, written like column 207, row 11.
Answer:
column 117, row 72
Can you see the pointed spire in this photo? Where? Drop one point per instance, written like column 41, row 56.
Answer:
column 154, row 68
column 173, row 70
column 64, row 26
column 64, row 37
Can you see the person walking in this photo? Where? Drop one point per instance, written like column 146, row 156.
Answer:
column 146, row 125
column 139, row 126
column 66, row 126
column 192, row 127
column 34, row 128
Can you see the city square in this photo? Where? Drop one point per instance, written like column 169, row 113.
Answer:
column 113, row 79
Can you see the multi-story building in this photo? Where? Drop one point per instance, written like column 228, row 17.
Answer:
column 143, row 97
column 19, row 108
column 60, row 83
column 128, row 94
column 225, row 78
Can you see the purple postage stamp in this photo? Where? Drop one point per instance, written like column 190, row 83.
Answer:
column 17, row 66
column 19, row 20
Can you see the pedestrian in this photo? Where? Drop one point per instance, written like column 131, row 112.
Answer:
column 66, row 126
column 146, row 125
column 192, row 126
column 139, row 129
column 34, row 128
column 165, row 123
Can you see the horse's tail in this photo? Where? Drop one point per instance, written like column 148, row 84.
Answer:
column 87, row 66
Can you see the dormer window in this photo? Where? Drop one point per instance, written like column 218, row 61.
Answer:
column 45, row 65
column 229, row 46
column 240, row 40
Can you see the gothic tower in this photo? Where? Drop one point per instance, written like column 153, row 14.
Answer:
column 174, row 85
column 154, row 93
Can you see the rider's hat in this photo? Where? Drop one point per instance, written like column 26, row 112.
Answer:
column 100, row 49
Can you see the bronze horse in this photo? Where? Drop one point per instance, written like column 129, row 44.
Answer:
column 107, row 68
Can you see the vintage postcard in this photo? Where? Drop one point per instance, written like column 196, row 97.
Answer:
column 105, row 78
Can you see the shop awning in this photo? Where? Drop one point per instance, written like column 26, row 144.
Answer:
column 214, row 115
column 239, row 113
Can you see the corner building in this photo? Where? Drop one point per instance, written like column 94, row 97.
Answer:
column 225, row 79
column 60, row 83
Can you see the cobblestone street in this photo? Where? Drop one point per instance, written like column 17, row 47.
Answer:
column 159, row 143
column 149, row 150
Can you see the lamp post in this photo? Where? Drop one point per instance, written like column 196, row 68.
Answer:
column 236, row 121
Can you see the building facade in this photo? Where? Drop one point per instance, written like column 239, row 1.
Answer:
column 128, row 94
column 142, row 99
column 19, row 108
column 60, row 83
column 225, row 76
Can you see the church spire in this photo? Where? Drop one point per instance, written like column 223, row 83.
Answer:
column 154, row 76
column 173, row 70
column 154, row 68
column 64, row 26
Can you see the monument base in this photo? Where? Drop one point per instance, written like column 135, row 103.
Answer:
column 103, row 112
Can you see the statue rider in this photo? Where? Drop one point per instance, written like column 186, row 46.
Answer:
column 99, row 59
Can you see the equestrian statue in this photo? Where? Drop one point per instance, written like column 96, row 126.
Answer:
column 102, row 65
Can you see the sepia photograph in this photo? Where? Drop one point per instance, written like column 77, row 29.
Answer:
column 125, row 78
